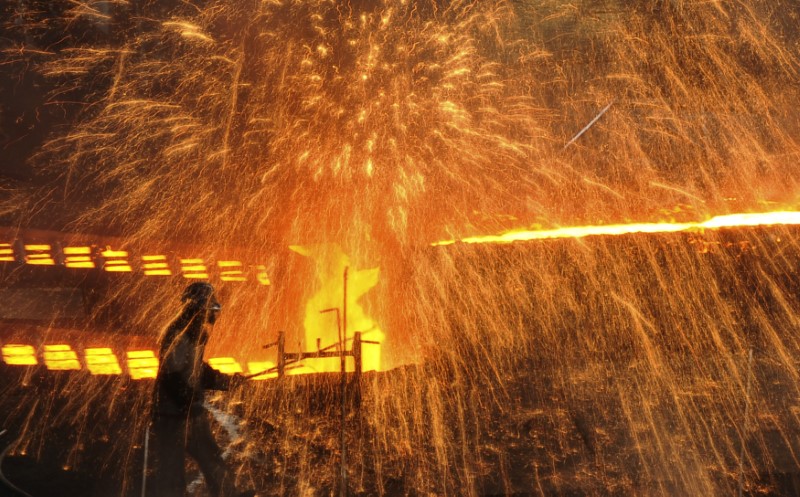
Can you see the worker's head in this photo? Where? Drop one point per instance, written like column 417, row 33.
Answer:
column 199, row 298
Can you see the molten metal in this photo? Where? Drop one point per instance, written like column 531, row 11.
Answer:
column 718, row 222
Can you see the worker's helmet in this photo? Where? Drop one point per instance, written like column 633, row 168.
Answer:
column 199, row 296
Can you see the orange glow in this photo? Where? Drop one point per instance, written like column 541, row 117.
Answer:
column 39, row 255
column 142, row 364
column 758, row 219
column 19, row 355
column 331, row 262
column 194, row 269
column 102, row 361
column 261, row 275
column 116, row 261
column 78, row 257
column 227, row 365
column 301, row 369
column 6, row 252
column 727, row 221
column 231, row 271
column 155, row 265
column 254, row 367
column 60, row 358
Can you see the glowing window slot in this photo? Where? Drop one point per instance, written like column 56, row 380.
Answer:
column 116, row 261
column 142, row 364
column 231, row 271
column 39, row 255
column 60, row 358
column 261, row 275
column 300, row 370
column 7, row 252
column 78, row 257
column 19, row 355
column 102, row 361
column 155, row 265
column 254, row 367
column 194, row 269
column 226, row 365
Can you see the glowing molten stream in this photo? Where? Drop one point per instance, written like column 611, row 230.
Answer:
column 323, row 327
column 728, row 221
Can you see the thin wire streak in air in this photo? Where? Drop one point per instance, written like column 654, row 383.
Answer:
column 586, row 128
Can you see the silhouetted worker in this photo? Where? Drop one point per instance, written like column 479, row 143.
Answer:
column 180, row 421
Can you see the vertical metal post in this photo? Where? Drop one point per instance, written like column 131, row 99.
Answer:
column 357, row 363
column 357, row 356
column 19, row 251
column 281, row 353
column 342, row 344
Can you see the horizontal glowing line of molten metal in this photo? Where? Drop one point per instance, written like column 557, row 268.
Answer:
column 726, row 221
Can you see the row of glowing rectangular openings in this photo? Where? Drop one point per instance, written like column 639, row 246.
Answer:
column 141, row 364
column 117, row 261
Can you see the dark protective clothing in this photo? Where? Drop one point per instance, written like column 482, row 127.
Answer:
column 173, row 437
column 183, row 377
column 180, row 421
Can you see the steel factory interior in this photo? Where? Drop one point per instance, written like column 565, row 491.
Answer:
column 418, row 247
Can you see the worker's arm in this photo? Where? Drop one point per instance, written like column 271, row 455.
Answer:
column 213, row 379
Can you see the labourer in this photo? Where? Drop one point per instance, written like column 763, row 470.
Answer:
column 180, row 423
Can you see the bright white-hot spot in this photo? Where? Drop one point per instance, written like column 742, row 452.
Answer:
column 718, row 222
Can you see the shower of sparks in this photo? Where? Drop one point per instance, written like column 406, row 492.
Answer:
column 382, row 126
